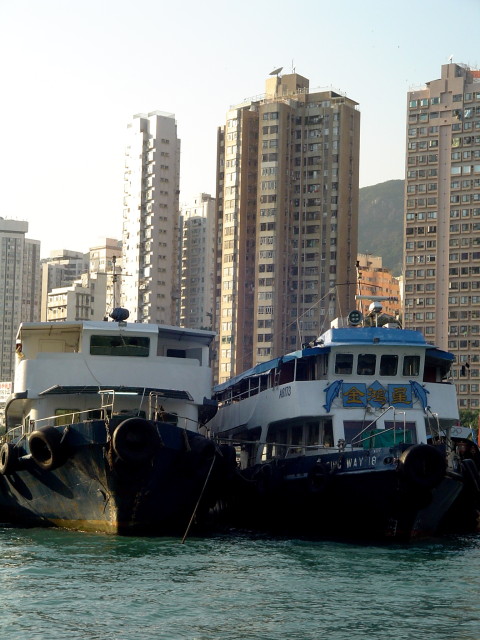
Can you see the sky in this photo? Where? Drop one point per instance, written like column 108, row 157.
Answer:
column 74, row 73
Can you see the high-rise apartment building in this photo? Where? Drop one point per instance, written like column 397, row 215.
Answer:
column 442, row 226
column 151, row 219
column 287, row 210
column 197, row 269
column 60, row 269
column 19, row 288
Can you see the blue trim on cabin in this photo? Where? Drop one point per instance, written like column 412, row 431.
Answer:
column 346, row 337
column 374, row 335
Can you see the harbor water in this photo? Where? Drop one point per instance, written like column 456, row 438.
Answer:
column 59, row 584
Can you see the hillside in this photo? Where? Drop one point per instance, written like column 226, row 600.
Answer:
column 380, row 223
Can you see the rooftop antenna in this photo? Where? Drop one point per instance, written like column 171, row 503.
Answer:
column 275, row 72
column 450, row 59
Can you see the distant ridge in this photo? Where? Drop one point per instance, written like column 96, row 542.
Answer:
column 380, row 223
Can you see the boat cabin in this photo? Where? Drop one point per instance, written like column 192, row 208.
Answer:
column 363, row 387
column 73, row 368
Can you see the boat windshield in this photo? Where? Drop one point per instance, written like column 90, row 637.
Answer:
column 138, row 346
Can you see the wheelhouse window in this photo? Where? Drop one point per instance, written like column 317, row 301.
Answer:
column 366, row 364
column 344, row 363
column 388, row 365
column 411, row 365
column 119, row 346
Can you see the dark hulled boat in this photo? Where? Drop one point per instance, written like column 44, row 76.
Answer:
column 104, row 429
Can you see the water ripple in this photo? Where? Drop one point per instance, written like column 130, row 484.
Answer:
column 59, row 584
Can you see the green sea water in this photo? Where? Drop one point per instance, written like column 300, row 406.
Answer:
column 65, row 585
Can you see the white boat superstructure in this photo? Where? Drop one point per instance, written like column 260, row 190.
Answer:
column 362, row 412
column 68, row 367
column 355, row 381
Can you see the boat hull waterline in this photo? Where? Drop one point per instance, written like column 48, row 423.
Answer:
column 350, row 496
column 153, row 488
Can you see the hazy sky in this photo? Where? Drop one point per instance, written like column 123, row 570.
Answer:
column 74, row 73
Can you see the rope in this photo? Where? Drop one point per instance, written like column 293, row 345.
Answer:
column 198, row 501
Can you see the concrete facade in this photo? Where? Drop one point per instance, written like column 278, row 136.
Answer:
column 61, row 269
column 85, row 299
column 376, row 280
column 106, row 258
column 19, row 288
column 442, row 220
column 287, row 216
column 197, row 263
column 151, row 219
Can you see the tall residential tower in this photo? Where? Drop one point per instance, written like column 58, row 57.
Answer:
column 197, row 270
column 287, row 210
column 151, row 219
column 19, row 288
column 442, row 225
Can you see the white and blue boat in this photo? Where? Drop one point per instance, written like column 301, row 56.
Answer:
column 348, row 437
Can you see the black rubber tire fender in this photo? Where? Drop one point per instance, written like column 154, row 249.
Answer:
column 135, row 440
column 47, row 448
column 423, row 465
column 8, row 459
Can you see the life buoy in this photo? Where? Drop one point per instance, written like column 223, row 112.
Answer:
column 423, row 465
column 135, row 440
column 8, row 459
column 47, row 448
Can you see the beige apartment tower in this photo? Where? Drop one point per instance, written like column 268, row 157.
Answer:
column 286, row 228
column 197, row 263
column 442, row 220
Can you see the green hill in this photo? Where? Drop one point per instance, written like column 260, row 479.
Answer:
column 380, row 223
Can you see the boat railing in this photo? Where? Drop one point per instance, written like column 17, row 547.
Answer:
column 22, row 431
column 301, row 449
column 270, row 450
